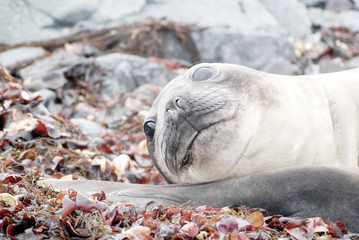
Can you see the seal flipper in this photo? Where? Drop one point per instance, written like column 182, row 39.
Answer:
column 329, row 193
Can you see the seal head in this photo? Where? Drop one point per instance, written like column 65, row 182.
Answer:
column 218, row 121
column 193, row 119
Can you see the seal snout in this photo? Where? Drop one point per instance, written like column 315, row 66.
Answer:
column 177, row 103
column 177, row 107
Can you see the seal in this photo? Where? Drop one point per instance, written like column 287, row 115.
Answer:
column 227, row 134
column 218, row 121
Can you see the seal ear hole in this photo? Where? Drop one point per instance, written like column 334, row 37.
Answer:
column 149, row 128
column 202, row 74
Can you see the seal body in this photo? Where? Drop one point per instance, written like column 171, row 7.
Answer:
column 229, row 134
column 218, row 121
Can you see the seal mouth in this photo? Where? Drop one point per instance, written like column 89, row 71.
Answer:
column 188, row 154
column 186, row 160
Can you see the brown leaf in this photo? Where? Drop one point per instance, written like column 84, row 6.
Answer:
column 256, row 219
column 40, row 130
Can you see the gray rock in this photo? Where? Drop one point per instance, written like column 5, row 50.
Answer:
column 48, row 72
column 55, row 107
column 332, row 65
column 356, row 4
column 52, row 80
column 19, row 22
column 312, row 69
column 288, row 14
column 83, row 110
column 275, row 16
column 88, row 127
column 339, row 5
column 326, row 19
column 35, row 20
column 227, row 13
column 113, row 117
column 353, row 63
column 68, row 12
column 232, row 46
column 14, row 56
column 282, row 66
column 173, row 48
column 47, row 95
column 124, row 72
column 314, row 3
column 69, row 97
column 49, row 101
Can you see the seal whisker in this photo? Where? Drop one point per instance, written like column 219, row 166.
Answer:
column 215, row 89
column 205, row 89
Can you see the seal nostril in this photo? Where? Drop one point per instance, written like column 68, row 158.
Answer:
column 180, row 103
column 177, row 101
column 149, row 129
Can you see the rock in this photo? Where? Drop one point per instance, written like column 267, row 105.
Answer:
column 353, row 63
column 232, row 13
column 48, row 72
column 280, row 65
column 173, row 48
column 312, row 69
column 232, row 46
column 114, row 117
column 339, row 5
column 280, row 17
column 83, row 110
column 315, row 3
column 68, row 12
column 20, row 22
column 121, row 163
column 47, row 95
column 69, row 97
column 288, row 14
column 327, row 19
column 88, row 127
column 119, row 79
column 124, row 72
column 20, row 55
column 356, row 4
column 312, row 47
column 35, row 20
column 332, row 65
column 55, row 106
column 139, row 101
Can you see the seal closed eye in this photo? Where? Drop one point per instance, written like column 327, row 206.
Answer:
column 202, row 74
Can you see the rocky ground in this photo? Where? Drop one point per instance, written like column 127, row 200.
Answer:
column 72, row 106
